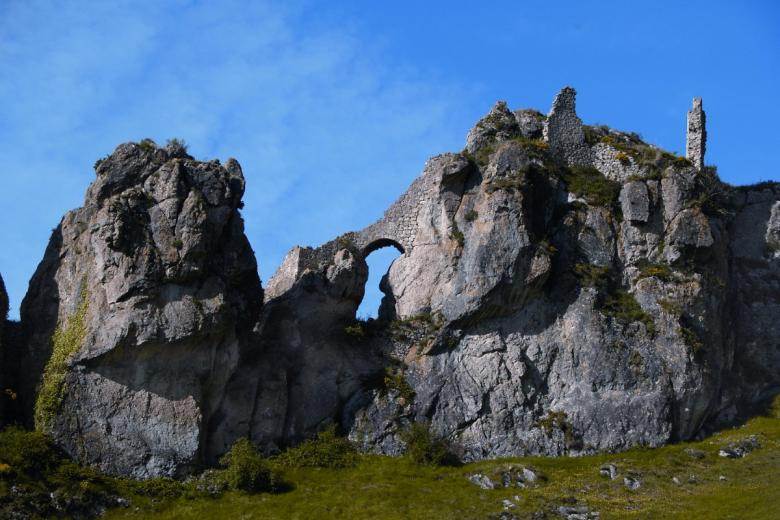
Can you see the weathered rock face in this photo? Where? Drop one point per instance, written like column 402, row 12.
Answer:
column 151, row 286
column 562, row 289
column 4, row 361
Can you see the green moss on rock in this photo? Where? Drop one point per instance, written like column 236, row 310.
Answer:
column 65, row 342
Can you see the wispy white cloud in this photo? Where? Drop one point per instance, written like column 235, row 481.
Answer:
column 315, row 114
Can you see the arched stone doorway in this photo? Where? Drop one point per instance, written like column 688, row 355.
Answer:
column 385, row 251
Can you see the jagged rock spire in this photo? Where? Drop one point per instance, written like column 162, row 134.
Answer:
column 696, row 138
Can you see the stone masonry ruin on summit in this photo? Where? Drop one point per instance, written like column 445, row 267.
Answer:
column 563, row 289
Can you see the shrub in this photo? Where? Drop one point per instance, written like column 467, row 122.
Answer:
column 471, row 216
column 246, row 469
column 558, row 420
column 482, row 156
column 423, row 447
column 176, row 146
column 457, row 235
column 326, row 450
column 623, row 158
column 394, row 380
column 661, row 271
column 535, row 148
column 592, row 275
column 65, row 343
column 147, row 145
column 588, row 183
column 27, row 452
column 356, row 330
column 621, row 305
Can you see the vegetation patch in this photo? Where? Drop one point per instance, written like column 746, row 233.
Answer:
column 246, row 469
column 147, row 145
column 65, row 342
column 425, row 448
column 471, row 215
column 621, row 305
column 395, row 381
column 590, row 184
column 558, row 420
column 457, row 235
column 535, row 148
column 326, row 450
column 398, row 487
column 661, row 271
column 592, row 275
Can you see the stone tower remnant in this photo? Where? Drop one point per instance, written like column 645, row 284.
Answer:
column 696, row 138
column 563, row 130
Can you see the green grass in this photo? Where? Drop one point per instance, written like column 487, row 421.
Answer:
column 380, row 487
column 66, row 341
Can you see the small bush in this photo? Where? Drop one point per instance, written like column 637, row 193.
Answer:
column 176, row 146
column 592, row 275
column 326, row 450
column 590, row 184
column 457, row 235
column 623, row 158
column 471, row 216
column 356, row 330
column 661, row 271
column 246, row 469
column 147, row 145
column 425, row 448
column 535, row 148
column 621, row 305
column 394, row 380
column 558, row 420
column 482, row 156
column 27, row 452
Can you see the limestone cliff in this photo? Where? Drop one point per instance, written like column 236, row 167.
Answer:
column 562, row 289
column 135, row 315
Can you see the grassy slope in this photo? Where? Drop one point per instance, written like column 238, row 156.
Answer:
column 383, row 487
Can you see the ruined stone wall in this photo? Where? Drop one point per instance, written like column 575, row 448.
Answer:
column 563, row 130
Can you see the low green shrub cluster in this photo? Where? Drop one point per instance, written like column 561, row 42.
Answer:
column 471, row 215
column 590, row 184
column 247, row 470
column 621, row 305
column 592, row 275
column 457, row 235
column 326, row 450
column 558, row 420
column 425, row 448
column 395, row 380
column 661, row 271
column 147, row 145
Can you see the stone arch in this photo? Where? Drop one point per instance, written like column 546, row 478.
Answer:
column 379, row 243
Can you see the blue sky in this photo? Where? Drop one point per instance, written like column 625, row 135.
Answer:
column 332, row 108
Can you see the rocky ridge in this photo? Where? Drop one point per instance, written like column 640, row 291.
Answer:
column 562, row 289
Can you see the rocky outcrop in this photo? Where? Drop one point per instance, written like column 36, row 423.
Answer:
column 135, row 316
column 561, row 289
column 4, row 362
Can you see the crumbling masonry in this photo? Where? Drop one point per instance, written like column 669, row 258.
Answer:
column 696, row 139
